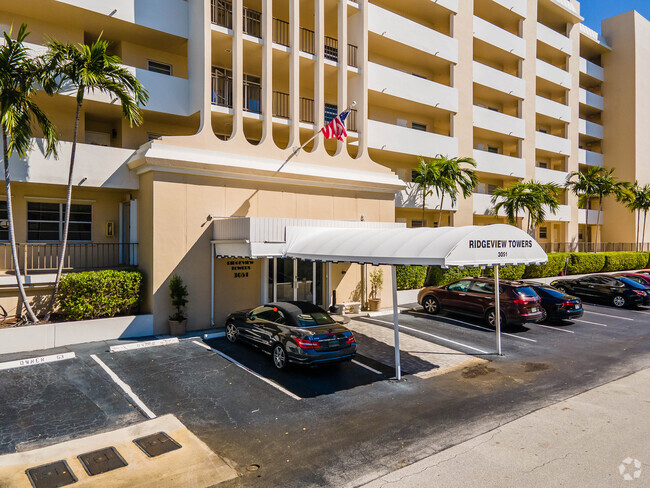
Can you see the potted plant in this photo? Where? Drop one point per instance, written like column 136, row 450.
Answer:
column 178, row 294
column 376, row 282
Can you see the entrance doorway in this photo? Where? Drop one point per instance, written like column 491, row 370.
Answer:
column 295, row 279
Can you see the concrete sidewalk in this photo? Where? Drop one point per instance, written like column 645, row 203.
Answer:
column 598, row 438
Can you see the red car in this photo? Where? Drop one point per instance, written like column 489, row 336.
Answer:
column 475, row 296
column 641, row 278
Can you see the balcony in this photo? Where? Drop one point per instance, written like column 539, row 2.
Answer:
column 412, row 198
column 592, row 69
column 590, row 129
column 499, row 164
column 563, row 214
column 554, row 39
column 411, row 34
column 160, row 87
column 553, row 144
column 498, row 122
column 591, row 99
column 406, row 86
column 483, row 204
column 553, row 74
column 44, row 257
column 496, row 36
column 517, row 6
column 169, row 16
column 592, row 214
column 590, row 158
column 221, row 14
column 389, row 137
column 545, row 175
column 553, row 109
column 103, row 167
column 499, row 80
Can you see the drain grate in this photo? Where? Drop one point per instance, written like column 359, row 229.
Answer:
column 156, row 444
column 101, row 461
column 51, row 475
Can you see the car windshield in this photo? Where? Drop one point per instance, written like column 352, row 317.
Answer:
column 315, row 318
column 549, row 292
column 525, row 291
column 632, row 283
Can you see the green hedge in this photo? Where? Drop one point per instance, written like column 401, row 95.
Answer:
column 554, row 267
column 96, row 294
column 623, row 261
column 585, row 262
column 410, row 277
column 507, row 272
column 438, row 276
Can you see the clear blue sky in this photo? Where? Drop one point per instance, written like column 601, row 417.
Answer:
column 596, row 10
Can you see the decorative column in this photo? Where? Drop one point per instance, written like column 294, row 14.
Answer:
column 294, row 73
column 319, row 69
column 267, row 70
column 237, row 70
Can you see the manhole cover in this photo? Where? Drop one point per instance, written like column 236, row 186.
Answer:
column 157, row 444
column 51, row 475
column 98, row 462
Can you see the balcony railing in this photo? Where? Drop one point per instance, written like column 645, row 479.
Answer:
column 78, row 256
column 281, row 109
column 331, row 49
column 221, row 87
column 281, row 105
column 281, row 32
column 307, row 110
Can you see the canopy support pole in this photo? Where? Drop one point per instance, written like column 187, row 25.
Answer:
column 398, row 366
column 211, row 285
column 497, row 304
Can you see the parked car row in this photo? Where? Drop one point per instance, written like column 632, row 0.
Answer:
column 526, row 301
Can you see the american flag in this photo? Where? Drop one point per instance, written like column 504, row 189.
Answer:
column 336, row 127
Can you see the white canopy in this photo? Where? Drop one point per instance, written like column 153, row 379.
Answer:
column 489, row 245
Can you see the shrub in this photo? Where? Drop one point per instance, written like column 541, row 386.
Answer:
column 178, row 294
column 507, row 272
column 95, row 294
column 410, row 277
column 437, row 276
column 623, row 261
column 554, row 267
column 585, row 262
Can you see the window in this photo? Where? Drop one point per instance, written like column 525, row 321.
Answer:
column 331, row 111
column 418, row 223
column 493, row 150
column 4, row 222
column 491, row 189
column 269, row 314
column 158, row 67
column 45, row 222
column 416, row 126
column 252, row 94
column 543, row 231
column 462, row 285
column 482, row 287
column 542, row 164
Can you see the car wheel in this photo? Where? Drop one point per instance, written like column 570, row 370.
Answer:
column 491, row 318
column 544, row 315
column 431, row 305
column 279, row 357
column 231, row 332
column 619, row 301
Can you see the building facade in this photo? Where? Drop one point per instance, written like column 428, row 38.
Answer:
column 519, row 85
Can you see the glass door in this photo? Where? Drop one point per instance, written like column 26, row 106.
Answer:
column 294, row 279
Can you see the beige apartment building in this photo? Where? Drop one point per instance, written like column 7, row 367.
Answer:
column 519, row 85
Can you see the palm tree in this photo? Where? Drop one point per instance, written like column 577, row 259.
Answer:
column 633, row 202
column 644, row 206
column 585, row 186
column 453, row 177
column 90, row 68
column 511, row 200
column 426, row 174
column 18, row 80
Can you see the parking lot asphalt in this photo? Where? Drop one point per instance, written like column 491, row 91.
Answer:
column 323, row 426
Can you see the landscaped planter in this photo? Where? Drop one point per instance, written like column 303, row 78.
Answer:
column 35, row 337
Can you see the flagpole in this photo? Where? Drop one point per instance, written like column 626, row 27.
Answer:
column 296, row 150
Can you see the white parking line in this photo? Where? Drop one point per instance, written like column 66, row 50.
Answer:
column 433, row 335
column 367, row 367
column 610, row 316
column 257, row 375
column 480, row 327
column 126, row 388
column 552, row 328
column 587, row 322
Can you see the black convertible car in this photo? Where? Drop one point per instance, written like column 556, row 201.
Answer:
column 620, row 292
column 293, row 332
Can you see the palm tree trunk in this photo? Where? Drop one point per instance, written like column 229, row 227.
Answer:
column 442, row 199
column 638, row 228
column 66, row 221
column 424, row 199
column 12, row 235
column 645, row 215
column 600, row 211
